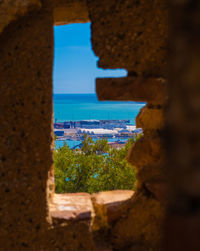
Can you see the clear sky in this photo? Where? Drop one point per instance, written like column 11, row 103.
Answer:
column 75, row 65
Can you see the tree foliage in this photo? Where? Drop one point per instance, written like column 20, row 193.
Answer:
column 95, row 167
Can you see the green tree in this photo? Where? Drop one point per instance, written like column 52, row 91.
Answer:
column 95, row 167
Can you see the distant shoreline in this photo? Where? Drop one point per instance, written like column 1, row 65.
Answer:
column 111, row 129
column 74, row 93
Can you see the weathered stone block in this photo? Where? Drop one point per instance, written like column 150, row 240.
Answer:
column 109, row 206
column 148, row 173
column 71, row 207
column 130, row 34
column 10, row 10
column 74, row 236
column 150, row 119
column 25, row 136
column 142, row 224
column 152, row 90
column 147, row 150
column 158, row 189
column 70, row 11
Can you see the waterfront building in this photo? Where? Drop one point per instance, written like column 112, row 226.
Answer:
column 59, row 133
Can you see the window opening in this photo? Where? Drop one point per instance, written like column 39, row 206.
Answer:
column 90, row 136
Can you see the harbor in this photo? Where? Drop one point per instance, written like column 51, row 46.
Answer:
column 116, row 132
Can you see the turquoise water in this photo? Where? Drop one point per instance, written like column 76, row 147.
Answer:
column 86, row 106
column 70, row 143
column 73, row 143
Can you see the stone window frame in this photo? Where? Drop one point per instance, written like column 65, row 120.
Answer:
column 101, row 209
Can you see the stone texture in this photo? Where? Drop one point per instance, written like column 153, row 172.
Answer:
column 150, row 119
column 109, row 206
column 51, row 183
column 70, row 11
column 74, row 236
column 10, row 10
column 128, row 34
column 141, row 225
column 138, row 247
column 152, row 90
column 147, row 150
column 25, row 136
column 149, row 173
column 158, row 189
column 71, row 207
column 134, row 35
column 183, row 128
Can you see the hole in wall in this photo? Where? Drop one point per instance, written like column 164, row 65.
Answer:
column 88, row 163
column 75, row 64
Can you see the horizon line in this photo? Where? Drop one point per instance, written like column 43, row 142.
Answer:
column 77, row 93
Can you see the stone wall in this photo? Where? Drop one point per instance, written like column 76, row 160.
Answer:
column 133, row 35
column 26, row 48
column 127, row 34
column 183, row 128
column 11, row 10
column 130, row 34
column 70, row 11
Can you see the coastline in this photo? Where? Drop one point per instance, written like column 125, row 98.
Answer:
column 71, row 132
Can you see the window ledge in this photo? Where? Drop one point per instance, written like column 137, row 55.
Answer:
column 100, row 209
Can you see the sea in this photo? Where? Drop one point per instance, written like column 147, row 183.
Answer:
column 87, row 106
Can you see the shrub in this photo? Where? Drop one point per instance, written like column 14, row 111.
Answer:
column 95, row 167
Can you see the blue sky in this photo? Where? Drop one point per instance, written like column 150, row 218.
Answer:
column 75, row 65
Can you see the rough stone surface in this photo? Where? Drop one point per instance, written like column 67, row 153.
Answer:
column 25, row 136
column 128, row 34
column 135, row 35
column 51, row 183
column 141, row 225
column 70, row 11
column 183, row 142
column 74, row 236
column 147, row 156
column 149, row 173
column 158, row 189
column 150, row 119
column 71, row 207
column 10, row 10
column 147, row 150
column 152, row 90
column 109, row 206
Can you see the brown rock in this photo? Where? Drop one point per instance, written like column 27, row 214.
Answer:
column 10, row 10
column 142, row 224
column 151, row 90
column 150, row 119
column 150, row 172
column 71, row 11
column 109, row 206
column 130, row 34
column 71, row 207
column 74, row 236
column 147, row 150
column 158, row 189
column 26, row 49
column 140, row 247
